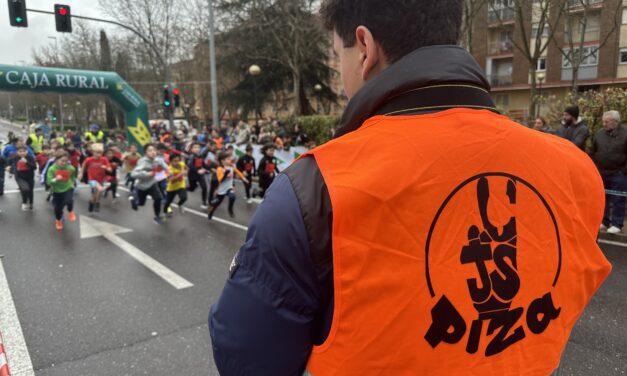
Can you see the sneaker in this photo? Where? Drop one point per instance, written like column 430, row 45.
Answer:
column 91, row 206
column 115, row 195
column 231, row 213
column 24, row 207
column 204, row 206
column 71, row 216
column 210, row 214
column 250, row 201
column 157, row 220
column 58, row 225
column 134, row 205
column 603, row 227
column 614, row 230
column 169, row 211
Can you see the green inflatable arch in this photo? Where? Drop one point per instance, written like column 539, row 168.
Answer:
column 66, row 81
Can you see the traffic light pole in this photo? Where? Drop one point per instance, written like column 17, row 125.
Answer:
column 212, row 66
column 140, row 35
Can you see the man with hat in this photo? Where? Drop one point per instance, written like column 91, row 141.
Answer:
column 94, row 134
column 573, row 129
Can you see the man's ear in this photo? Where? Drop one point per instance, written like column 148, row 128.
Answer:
column 371, row 57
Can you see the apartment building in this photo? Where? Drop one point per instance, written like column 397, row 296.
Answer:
column 497, row 31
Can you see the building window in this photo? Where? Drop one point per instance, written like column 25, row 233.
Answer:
column 541, row 64
column 590, row 56
column 623, row 56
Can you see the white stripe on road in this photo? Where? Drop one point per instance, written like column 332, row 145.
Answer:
column 19, row 360
column 609, row 242
column 201, row 214
column 18, row 191
column 168, row 275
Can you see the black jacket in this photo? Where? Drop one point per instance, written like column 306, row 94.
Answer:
column 577, row 133
column 609, row 151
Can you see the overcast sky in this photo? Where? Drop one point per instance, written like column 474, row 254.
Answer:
column 17, row 43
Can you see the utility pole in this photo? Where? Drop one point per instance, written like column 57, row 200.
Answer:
column 212, row 68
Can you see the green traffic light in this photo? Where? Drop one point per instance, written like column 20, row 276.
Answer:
column 167, row 103
column 19, row 19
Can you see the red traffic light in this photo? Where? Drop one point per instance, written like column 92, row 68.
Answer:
column 176, row 92
column 63, row 11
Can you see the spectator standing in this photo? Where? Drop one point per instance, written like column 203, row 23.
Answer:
column 541, row 125
column 574, row 129
column 609, row 153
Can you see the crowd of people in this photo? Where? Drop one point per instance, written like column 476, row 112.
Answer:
column 176, row 164
column 608, row 150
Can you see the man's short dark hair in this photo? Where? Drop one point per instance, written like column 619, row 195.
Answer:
column 400, row 26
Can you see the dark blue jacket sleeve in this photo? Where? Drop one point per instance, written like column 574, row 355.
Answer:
column 263, row 323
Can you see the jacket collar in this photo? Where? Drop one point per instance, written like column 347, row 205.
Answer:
column 410, row 86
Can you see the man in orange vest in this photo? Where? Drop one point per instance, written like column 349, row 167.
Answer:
column 430, row 237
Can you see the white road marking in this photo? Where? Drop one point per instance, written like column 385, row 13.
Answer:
column 10, row 191
column 17, row 354
column 201, row 214
column 609, row 242
column 90, row 228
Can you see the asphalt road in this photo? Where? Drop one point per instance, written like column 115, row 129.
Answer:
column 87, row 307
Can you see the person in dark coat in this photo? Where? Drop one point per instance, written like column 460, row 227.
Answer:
column 573, row 129
column 609, row 153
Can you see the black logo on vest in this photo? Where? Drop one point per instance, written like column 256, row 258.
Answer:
column 492, row 254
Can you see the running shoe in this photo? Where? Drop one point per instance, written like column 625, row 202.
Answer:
column 157, row 220
column 24, row 207
column 71, row 216
column 58, row 225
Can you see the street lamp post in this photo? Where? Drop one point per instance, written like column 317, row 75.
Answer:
column 255, row 71
column 318, row 90
column 540, row 76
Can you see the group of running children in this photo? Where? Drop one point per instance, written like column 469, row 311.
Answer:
column 163, row 173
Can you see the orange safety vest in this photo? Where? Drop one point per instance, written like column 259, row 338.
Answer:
column 467, row 245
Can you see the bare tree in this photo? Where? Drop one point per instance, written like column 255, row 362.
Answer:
column 159, row 22
column 471, row 10
column 532, row 42
column 578, row 15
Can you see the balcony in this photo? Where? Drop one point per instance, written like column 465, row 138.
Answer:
column 497, row 80
column 505, row 47
column 579, row 5
column 501, row 15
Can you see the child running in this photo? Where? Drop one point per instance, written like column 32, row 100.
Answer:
column 198, row 173
column 23, row 166
column 225, row 174
column 97, row 167
column 61, row 177
column 246, row 164
column 267, row 169
column 176, row 184
column 130, row 159
column 112, row 175
column 148, row 169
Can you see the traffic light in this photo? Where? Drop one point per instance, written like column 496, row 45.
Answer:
column 177, row 97
column 167, row 101
column 17, row 13
column 63, row 18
